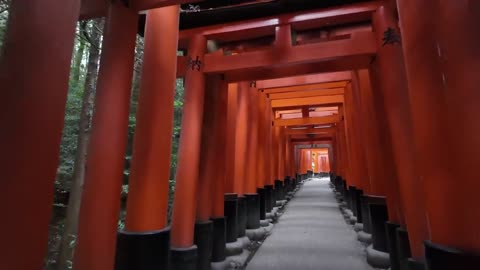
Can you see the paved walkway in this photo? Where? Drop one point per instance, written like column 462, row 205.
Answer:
column 311, row 234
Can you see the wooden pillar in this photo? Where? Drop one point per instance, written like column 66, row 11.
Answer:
column 345, row 150
column 382, row 172
column 288, row 154
column 269, row 177
column 354, row 140
column 223, row 155
column 388, row 73
column 108, row 139
column 281, row 153
column 337, row 170
column 34, row 78
column 209, row 229
column 230, row 141
column 252, row 140
column 241, row 133
column 440, row 46
column 309, row 160
column 218, row 215
column 147, row 203
column 275, row 149
column 303, row 161
column 184, row 205
column 207, row 168
column 262, row 112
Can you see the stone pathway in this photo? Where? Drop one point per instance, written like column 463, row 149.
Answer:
column 311, row 234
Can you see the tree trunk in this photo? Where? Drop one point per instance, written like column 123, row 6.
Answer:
column 64, row 260
column 77, row 65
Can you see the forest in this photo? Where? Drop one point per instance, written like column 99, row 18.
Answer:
column 80, row 108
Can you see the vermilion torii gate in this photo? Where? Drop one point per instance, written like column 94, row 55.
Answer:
column 389, row 87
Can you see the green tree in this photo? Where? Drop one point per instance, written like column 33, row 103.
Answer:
column 93, row 36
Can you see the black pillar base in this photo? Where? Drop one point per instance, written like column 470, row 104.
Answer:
column 253, row 211
column 345, row 191
column 231, row 217
column 440, row 257
column 143, row 251
column 183, row 258
column 287, row 184
column 263, row 208
column 378, row 217
column 204, row 241
column 352, row 191
column 279, row 190
column 242, row 216
column 358, row 205
column 403, row 248
column 367, row 227
column 269, row 198
column 219, row 239
column 415, row 265
column 392, row 244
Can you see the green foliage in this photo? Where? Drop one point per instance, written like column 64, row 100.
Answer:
column 73, row 108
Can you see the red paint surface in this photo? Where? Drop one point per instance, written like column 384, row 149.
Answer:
column 97, row 230
column 34, row 71
column 185, row 199
column 442, row 63
column 147, row 203
column 232, row 100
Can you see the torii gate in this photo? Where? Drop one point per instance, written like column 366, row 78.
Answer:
column 398, row 115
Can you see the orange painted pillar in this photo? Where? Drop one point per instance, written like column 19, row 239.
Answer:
column 223, row 155
column 230, row 141
column 184, row 204
column 305, row 164
column 352, row 128
column 343, row 148
column 388, row 73
column 252, row 194
column 290, row 170
column 327, row 163
column 336, row 168
column 309, row 160
column 108, row 137
column 286, row 153
column 207, row 169
column 241, row 133
column 268, row 137
column 301, row 161
column 34, row 84
column 441, row 57
column 147, row 203
column 379, row 157
column 241, row 148
column 252, row 141
column 281, row 153
column 275, row 150
column 210, row 226
column 219, row 216
column 262, row 167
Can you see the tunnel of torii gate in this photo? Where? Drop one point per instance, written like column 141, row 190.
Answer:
column 381, row 95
